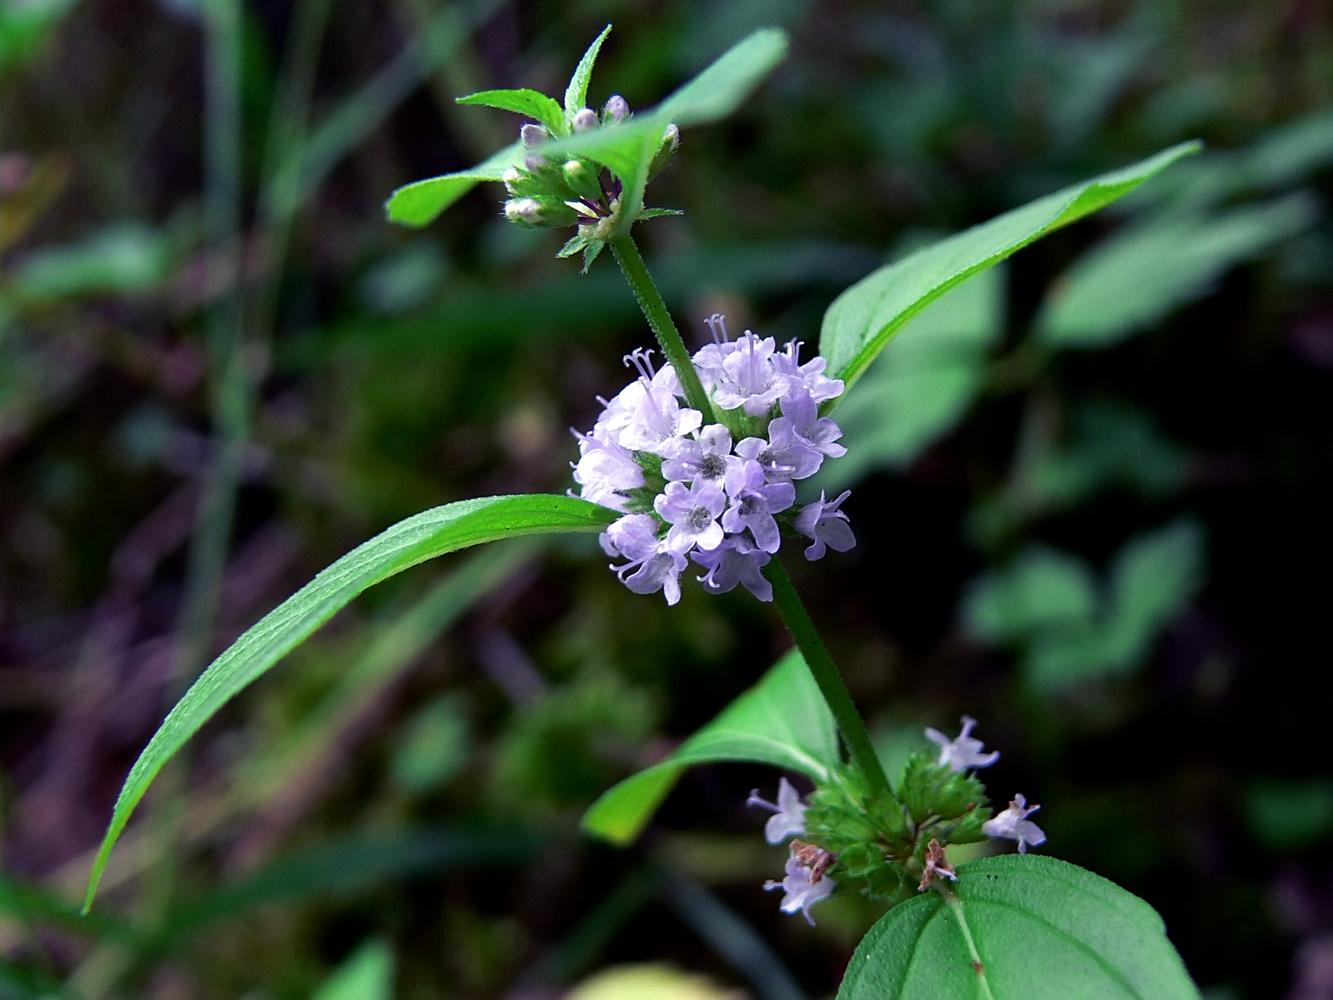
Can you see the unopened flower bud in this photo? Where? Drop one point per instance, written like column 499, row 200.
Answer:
column 585, row 120
column 666, row 151
column 582, row 178
column 617, row 108
column 511, row 178
column 532, row 135
column 523, row 211
column 534, row 161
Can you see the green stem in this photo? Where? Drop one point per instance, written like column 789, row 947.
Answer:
column 655, row 311
column 826, row 675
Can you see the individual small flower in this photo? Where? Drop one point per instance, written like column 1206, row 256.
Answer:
column 783, row 455
column 605, row 471
column 964, row 752
column 1014, row 824
column 704, row 457
column 655, row 566
column 828, row 526
column 736, row 560
column 754, row 501
column 937, row 866
column 788, row 819
column 816, row 432
column 809, row 376
column 692, row 512
column 805, row 883
column 749, row 380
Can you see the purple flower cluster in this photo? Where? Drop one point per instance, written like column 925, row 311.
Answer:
column 720, row 494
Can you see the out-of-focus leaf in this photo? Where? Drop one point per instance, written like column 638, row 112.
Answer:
column 1290, row 815
column 1112, row 445
column 416, row 539
column 434, row 746
column 1043, row 589
column 1135, row 278
column 862, row 320
column 648, row 982
column 783, row 720
column 355, row 863
column 922, row 383
column 123, row 259
column 1047, row 604
column 25, row 27
column 523, row 102
column 367, row 975
column 1030, row 927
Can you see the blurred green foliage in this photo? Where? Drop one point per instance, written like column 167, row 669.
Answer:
column 412, row 777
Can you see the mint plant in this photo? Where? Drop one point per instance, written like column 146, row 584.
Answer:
column 692, row 468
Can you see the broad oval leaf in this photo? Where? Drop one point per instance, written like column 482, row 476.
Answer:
column 418, row 538
column 783, row 720
column 527, row 102
column 1019, row 928
column 866, row 316
column 417, row 204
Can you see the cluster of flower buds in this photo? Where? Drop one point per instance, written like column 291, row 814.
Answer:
column 890, row 848
column 721, row 494
column 552, row 193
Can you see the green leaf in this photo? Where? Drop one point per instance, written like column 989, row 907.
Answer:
column 783, row 720
column 121, row 259
column 524, row 102
column 576, row 94
column 418, row 538
column 367, row 975
column 418, row 204
column 719, row 90
column 863, row 319
column 922, row 383
column 1019, row 928
column 1130, row 281
column 1044, row 589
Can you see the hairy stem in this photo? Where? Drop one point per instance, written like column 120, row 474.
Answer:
column 655, row 311
column 826, row 675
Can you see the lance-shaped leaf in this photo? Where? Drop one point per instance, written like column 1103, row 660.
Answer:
column 1019, row 927
column 416, row 539
column 576, row 94
column 418, row 204
column 863, row 319
column 783, row 720
column 532, row 103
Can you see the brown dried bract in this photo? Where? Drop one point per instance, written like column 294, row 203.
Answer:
column 936, row 866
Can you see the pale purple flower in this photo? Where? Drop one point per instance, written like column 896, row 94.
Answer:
column 1014, row 824
column 963, row 752
column 706, row 456
column 809, row 376
column 827, row 525
column 650, row 418
column 655, row 566
column 692, row 512
column 819, row 433
column 788, row 819
column 754, row 501
column 784, row 455
column 736, row 560
column 803, row 887
column 749, row 380
column 605, row 471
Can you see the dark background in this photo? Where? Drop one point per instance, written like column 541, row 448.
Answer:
column 415, row 773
